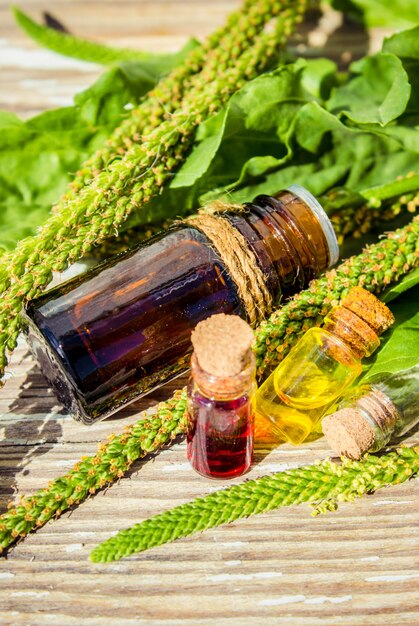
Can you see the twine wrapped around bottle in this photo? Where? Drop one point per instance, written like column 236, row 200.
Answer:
column 240, row 261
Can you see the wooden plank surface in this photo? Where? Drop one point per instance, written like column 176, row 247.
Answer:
column 356, row 566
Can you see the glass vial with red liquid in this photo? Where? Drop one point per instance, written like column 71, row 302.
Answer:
column 115, row 333
column 220, row 409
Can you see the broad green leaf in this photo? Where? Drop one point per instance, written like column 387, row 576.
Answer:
column 378, row 93
column 207, row 143
column 391, row 13
column 251, row 127
column 319, row 76
column 307, row 144
column 404, row 44
column 400, row 346
column 407, row 282
column 311, row 124
column 9, row 119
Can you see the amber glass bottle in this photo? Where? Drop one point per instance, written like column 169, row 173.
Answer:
column 122, row 329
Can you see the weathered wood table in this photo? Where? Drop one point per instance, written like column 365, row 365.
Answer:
column 356, row 566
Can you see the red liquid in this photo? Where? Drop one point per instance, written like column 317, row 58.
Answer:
column 220, row 436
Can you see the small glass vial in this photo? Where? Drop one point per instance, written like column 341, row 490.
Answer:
column 107, row 337
column 220, row 413
column 366, row 421
column 321, row 366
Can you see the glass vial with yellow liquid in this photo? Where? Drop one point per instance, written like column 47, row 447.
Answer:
column 321, row 366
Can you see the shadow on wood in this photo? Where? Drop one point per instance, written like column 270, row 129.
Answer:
column 24, row 435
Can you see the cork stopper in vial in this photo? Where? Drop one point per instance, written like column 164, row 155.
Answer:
column 223, row 362
column 348, row 433
column 222, row 344
column 364, row 425
column 369, row 308
column 359, row 320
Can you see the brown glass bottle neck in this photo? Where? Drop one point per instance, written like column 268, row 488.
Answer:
column 287, row 238
column 301, row 227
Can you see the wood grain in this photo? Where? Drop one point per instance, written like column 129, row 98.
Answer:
column 354, row 567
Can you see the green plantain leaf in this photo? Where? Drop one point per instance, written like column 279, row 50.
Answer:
column 404, row 44
column 400, row 346
column 407, row 282
column 254, row 124
column 378, row 93
column 391, row 13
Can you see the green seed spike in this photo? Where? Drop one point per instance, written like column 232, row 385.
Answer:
column 113, row 459
column 397, row 254
column 356, row 222
column 325, row 483
column 217, row 53
column 98, row 210
column 356, row 213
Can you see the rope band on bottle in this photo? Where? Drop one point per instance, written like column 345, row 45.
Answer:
column 239, row 260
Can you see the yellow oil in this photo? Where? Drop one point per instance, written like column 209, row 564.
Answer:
column 307, row 382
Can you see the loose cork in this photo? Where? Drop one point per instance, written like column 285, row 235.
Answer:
column 369, row 308
column 348, row 433
column 222, row 344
